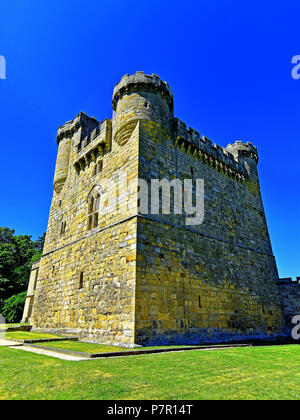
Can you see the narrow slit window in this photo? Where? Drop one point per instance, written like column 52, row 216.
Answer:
column 91, row 205
column 63, row 228
column 90, row 220
column 199, row 301
column 99, row 166
column 95, row 220
column 81, row 280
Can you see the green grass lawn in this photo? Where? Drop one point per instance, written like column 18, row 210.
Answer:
column 27, row 335
column 240, row 373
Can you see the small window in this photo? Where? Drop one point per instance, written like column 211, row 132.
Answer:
column 91, row 205
column 192, row 170
column 81, row 280
column 199, row 302
column 99, row 166
column 36, row 278
column 95, row 221
column 63, row 228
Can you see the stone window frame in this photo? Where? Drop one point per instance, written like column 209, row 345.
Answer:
column 98, row 167
column 93, row 209
column 93, row 212
column 81, row 278
column 93, row 203
column 63, row 227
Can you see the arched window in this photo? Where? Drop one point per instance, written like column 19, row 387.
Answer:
column 93, row 209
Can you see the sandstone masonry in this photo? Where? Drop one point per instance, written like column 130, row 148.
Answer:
column 130, row 277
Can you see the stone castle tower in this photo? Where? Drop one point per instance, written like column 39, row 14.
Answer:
column 131, row 276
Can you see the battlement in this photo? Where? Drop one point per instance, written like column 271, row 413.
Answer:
column 93, row 146
column 115, row 273
column 145, row 82
column 240, row 150
column 288, row 281
column 83, row 121
column 229, row 159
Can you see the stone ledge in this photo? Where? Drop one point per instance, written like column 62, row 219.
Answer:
column 137, row 352
column 41, row 340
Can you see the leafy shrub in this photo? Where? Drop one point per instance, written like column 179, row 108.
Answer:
column 13, row 308
column 17, row 253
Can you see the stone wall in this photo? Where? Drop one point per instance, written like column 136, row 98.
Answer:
column 31, row 292
column 87, row 276
column 290, row 297
column 211, row 282
column 115, row 272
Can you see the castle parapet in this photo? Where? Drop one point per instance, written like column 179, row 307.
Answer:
column 190, row 141
column 82, row 127
column 94, row 146
column 82, row 122
column 243, row 150
column 288, row 281
column 144, row 82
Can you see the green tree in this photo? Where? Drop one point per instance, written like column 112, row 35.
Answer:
column 17, row 253
column 40, row 242
column 13, row 308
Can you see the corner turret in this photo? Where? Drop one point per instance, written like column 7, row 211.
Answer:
column 76, row 130
column 247, row 154
column 140, row 97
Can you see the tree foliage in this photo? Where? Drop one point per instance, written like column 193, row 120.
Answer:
column 17, row 253
column 13, row 308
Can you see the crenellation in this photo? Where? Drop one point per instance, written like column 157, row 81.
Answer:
column 288, row 281
column 230, row 159
column 214, row 156
column 129, row 278
column 140, row 81
column 241, row 150
column 97, row 147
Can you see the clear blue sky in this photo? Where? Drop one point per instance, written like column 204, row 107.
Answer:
column 228, row 64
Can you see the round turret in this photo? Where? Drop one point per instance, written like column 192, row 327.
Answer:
column 75, row 131
column 247, row 153
column 142, row 97
column 240, row 149
column 64, row 141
